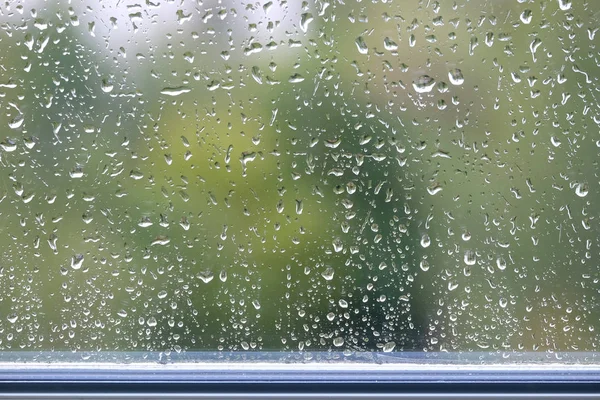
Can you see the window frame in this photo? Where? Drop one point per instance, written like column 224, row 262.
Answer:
column 327, row 375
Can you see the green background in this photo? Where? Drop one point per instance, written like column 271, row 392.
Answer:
column 299, row 145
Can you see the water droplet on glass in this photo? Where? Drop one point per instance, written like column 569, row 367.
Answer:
column 338, row 341
column 501, row 263
column 389, row 347
column 526, row 16
column 76, row 173
column 188, row 56
column 299, row 207
column 145, row 222
column 175, row 91
column 389, row 44
column 30, row 142
column 361, row 45
column 581, row 189
column 9, row 146
column 533, row 46
column 456, row 77
column 296, row 78
column 470, row 257
column 16, row 122
column 107, row 86
column 338, row 245
column 77, row 261
column 205, row 276
column 136, row 174
column 182, row 17
column 328, row 273
column 424, row 84
column 160, row 240
column 434, row 189
column 564, row 5
column 305, row 20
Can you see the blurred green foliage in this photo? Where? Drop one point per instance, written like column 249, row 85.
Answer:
column 270, row 176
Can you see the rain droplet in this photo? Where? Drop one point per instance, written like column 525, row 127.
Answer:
column 182, row 18
column 338, row 341
column 305, row 20
column 299, row 207
column 456, row 77
column 188, row 56
column 160, row 240
column 257, row 75
column 424, row 84
column 77, row 261
column 501, row 263
column 389, row 44
column 136, row 174
column 16, row 122
column 145, row 222
column 30, row 142
column 533, row 46
column 470, row 257
column 296, row 78
column 338, row 245
column 434, row 189
column 389, row 347
column 581, row 190
column 564, row 4
column 9, row 145
column 526, row 16
column 328, row 273
column 107, row 86
column 175, row 91
column 76, row 173
column 279, row 206
column 361, row 45
column 205, row 276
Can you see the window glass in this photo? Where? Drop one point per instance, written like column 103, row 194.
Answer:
column 299, row 176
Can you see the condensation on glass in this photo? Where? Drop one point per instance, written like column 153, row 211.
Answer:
column 299, row 176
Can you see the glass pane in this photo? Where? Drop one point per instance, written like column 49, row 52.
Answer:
column 231, row 176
